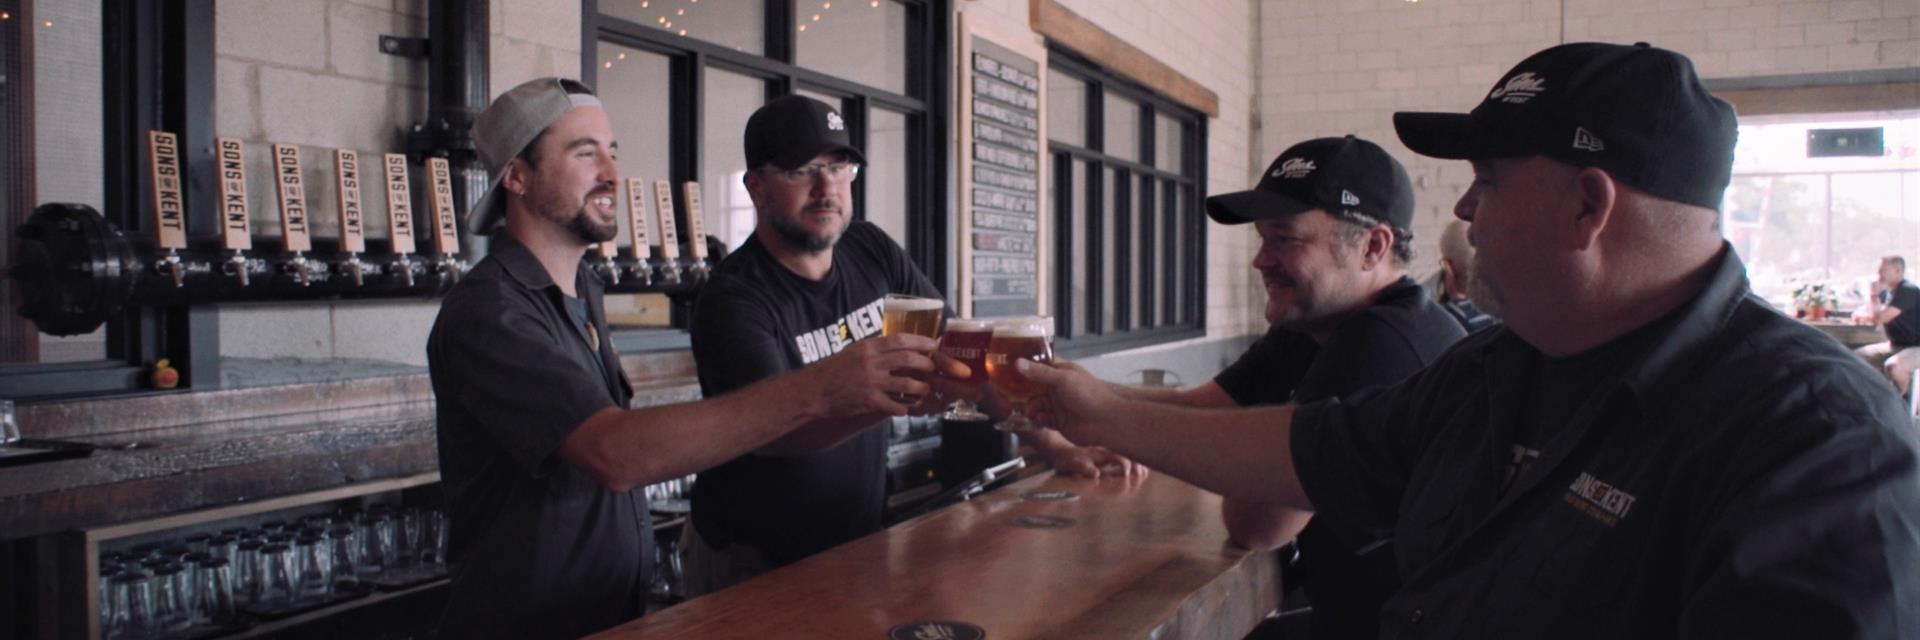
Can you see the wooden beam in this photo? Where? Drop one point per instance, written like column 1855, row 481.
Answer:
column 1888, row 96
column 1063, row 26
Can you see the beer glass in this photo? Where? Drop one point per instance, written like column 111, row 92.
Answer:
column 911, row 314
column 1014, row 339
column 966, row 341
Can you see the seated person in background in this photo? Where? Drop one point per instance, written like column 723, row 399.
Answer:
column 1456, row 278
column 1895, row 306
column 1333, row 217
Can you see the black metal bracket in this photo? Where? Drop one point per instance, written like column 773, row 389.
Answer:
column 404, row 47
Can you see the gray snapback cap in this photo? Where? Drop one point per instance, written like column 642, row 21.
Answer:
column 510, row 123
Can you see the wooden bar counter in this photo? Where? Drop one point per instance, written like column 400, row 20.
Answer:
column 1143, row 558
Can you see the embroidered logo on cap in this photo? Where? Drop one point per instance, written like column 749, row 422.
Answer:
column 1519, row 88
column 1347, row 198
column 1585, row 140
column 1294, row 168
column 834, row 123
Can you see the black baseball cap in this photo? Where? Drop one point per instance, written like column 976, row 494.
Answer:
column 791, row 130
column 1331, row 174
column 1637, row 111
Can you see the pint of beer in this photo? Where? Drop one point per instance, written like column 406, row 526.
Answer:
column 1014, row 339
column 966, row 341
column 909, row 314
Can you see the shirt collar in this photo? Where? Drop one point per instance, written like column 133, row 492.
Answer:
column 520, row 263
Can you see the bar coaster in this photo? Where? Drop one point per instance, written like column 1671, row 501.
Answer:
column 1043, row 522
column 936, row 630
column 1050, row 496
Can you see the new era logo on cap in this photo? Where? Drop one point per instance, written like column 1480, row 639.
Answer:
column 1294, row 168
column 1519, row 88
column 1347, row 198
column 1584, row 140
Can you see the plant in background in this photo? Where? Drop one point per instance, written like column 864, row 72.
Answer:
column 1813, row 300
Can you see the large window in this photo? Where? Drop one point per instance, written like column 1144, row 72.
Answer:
column 1798, row 217
column 81, row 82
column 682, row 77
column 1127, row 169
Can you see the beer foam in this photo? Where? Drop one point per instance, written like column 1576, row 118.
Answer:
column 966, row 325
column 1020, row 331
column 913, row 304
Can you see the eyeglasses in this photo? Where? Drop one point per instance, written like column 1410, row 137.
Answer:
column 841, row 172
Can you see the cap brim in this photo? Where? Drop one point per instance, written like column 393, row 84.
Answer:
column 801, row 154
column 1452, row 136
column 489, row 212
column 1242, row 207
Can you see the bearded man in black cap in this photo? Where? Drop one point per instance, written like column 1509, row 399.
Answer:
column 539, row 455
column 809, row 282
column 1642, row 450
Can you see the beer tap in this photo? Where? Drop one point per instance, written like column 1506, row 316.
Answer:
column 446, row 237
column 399, row 216
column 604, row 265
column 637, row 227
column 696, row 233
column 236, row 232
column 291, row 186
column 353, row 236
column 669, row 267
column 169, row 205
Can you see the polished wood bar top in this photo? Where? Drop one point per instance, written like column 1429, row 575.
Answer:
column 1142, row 558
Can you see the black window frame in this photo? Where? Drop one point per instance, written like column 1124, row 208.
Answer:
column 924, row 104
column 1182, row 235
column 157, row 73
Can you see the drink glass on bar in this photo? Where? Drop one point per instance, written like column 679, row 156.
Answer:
column 1029, row 338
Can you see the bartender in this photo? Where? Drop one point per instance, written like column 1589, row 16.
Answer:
column 539, row 455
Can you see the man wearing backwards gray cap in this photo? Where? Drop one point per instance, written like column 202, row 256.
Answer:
column 539, row 455
column 1643, row 449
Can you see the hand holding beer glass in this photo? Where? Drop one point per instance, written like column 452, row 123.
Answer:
column 1030, row 338
column 966, row 341
column 911, row 314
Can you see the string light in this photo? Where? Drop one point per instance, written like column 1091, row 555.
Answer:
column 663, row 19
column 679, row 12
column 623, row 56
column 826, row 5
column 875, row 4
column 48, row 24
column 803, row 27
column 683, row 32
column 669, row 24
column 816, row 17
column 5, row 16
column 607, row 65
column 643, row 4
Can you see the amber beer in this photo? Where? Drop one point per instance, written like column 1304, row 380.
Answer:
column 967, row 341
column 1008, row 347
column 908, row 314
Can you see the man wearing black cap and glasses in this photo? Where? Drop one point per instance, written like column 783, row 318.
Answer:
column 809, row 282
column 1643, row 449
column 1334, row 218
column 540, row 458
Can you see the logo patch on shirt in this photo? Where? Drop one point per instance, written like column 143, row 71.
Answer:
column 1519, row 89
column 1601, row 501
column 819, row 343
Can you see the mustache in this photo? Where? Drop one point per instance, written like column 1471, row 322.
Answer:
column 822, row 205
column 605, row 189
column 1270, row 278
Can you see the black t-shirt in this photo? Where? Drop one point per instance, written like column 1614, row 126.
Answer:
column 1740, row 475
column 756, row 320
column 1347, row 570
column 1904, row 331
column 540, row 548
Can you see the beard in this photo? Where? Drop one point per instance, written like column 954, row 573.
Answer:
column 1481, row 292
column 589, row 231
column 799, row 237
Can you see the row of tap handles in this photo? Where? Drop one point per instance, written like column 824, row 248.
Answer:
column 442, row 260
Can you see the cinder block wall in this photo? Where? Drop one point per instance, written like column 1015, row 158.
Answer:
column 1344, row 67
column 309, row 72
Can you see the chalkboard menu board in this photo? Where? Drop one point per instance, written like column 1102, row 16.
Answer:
column 1003, row 191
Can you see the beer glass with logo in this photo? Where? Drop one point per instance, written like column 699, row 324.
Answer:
column 911, row 314
column 1014, row 339
column 966, row 341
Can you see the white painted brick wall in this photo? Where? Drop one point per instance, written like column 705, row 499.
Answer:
column 1445, row 54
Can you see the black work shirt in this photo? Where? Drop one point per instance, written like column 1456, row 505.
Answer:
column 1742, row 477
column 1348, row 570
column 1903, row 331
column 756, row 320
column 540, row 548
column 1469, row 316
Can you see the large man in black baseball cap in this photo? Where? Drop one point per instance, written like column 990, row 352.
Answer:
column 1643, row 449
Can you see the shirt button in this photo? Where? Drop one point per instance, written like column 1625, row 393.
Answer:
column 1416, row 616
